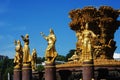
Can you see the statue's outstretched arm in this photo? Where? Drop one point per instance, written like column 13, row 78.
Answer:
column 23, row 38
column 44, row 36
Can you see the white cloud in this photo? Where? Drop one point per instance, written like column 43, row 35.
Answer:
column 116, row 55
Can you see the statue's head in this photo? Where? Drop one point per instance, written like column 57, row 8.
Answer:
column 34, row 52
column 34, row 49
column 18, row 42
column 51, row 31
column 27, row 35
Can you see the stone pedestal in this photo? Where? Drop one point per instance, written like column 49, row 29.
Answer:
column 88, row 70
column 50, row 71
column 17, row 74
column 26, row 72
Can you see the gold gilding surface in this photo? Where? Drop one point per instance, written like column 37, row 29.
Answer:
column 50, row 53
column 94, row 30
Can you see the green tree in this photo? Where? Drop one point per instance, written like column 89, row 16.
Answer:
column 40, row 68
column 39, row 60
column 43, row 59
column 60, row 58
column 6, row 66
column 1, row 64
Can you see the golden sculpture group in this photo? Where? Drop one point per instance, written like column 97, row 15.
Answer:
column 98, row 38
column 94, row 30
column 23, row 56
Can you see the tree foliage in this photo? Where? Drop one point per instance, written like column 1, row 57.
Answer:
column 6, row 66
column 40, row 68
column 60, row 58
column 40, row 60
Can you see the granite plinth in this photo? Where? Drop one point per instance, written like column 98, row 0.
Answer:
column 26, row 72
column 50, row 71
column 17, row 74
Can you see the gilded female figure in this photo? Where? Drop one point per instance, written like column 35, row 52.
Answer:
column 34, row 59
column 50, row 53
column 19, row 54
column 87, row 36
column 26, row 49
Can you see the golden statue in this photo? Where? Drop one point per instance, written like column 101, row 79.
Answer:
column 19, row 54
column 26, row 49
column 105, row 25
column 34, row 59
column 87, row 36
column 74, row 57
column 79, row 39
column 50, row 53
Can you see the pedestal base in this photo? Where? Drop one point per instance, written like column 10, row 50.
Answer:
column 88, row 70
column 17, row 74
column 50, row 71
column 26, row 72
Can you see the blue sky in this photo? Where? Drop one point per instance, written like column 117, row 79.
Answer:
column 18, row 17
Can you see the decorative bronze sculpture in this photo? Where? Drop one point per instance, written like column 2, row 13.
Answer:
column 50, row 53
column 19, row 54
column 102, row 22
column 87, row 41
column 26, row 49
column 95, row 46
column 34, row 60
column 74, row 57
